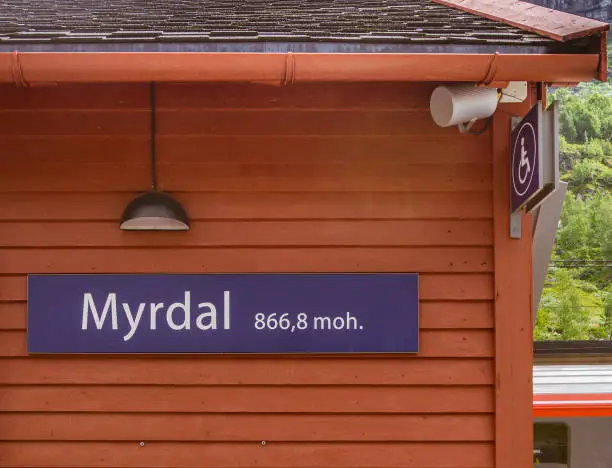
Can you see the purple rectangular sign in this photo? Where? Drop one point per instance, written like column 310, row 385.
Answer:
column 233, row 313
column 526, row 179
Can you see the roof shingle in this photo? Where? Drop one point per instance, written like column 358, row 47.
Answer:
column 390, row 21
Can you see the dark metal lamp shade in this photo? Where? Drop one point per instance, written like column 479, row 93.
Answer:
column 154, row 211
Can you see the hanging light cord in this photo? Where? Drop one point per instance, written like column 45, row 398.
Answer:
column 153, row 132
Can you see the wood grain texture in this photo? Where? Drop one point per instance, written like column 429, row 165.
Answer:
column 513, row 315
column 308, row 178
column 108, row 206
column 245, row 427
column 264, row 150
column 433, row 343
column 250, row 233
column 256, row 260
column 273, row 455
column 246, row 399
column 432, row 287
column 458, row 287
column 221, row 122
column 74, row 96
column 13, row 288
column 238, row 370
column 354, row 96
column 364, row 96
column 97, row 177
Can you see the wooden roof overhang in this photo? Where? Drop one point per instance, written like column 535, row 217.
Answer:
column 546, row 22
column 578, row 54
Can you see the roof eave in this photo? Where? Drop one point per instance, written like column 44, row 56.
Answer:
column 546, row 22
column 295, row 46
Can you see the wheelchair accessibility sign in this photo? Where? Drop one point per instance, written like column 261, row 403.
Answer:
column 526, row 159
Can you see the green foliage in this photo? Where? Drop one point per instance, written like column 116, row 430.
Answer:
column 576, row 303
column 573, row 233
column 585, row 112
column 564, row 315
column 606, row 315
column 584, row 237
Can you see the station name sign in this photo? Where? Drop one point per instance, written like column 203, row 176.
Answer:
column 233, row 313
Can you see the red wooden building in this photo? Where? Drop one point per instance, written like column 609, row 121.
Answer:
column 299, row 138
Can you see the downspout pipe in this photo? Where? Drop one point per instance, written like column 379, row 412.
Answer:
column 285, row 68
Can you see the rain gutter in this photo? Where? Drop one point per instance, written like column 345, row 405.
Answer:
column 289, row 67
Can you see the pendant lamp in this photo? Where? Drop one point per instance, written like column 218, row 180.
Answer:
column 154, row 210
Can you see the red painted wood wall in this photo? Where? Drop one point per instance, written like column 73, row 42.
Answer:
column 309, row 178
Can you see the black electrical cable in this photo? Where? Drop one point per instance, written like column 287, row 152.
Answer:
column 483, row 129
column 487, row 121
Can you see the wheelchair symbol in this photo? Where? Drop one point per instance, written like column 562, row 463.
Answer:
column 524, row 162
column 524, row 159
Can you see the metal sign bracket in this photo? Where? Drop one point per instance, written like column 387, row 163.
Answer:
column 516, row 219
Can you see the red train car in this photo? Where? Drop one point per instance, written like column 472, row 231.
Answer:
column 572, row 406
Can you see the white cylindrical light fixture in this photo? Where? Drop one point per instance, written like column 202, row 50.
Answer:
column 460, row 104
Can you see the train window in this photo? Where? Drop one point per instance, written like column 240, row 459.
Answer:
column 551, row 442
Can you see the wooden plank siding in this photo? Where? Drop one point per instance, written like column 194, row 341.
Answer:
column 308, row 178
column 513, row 308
